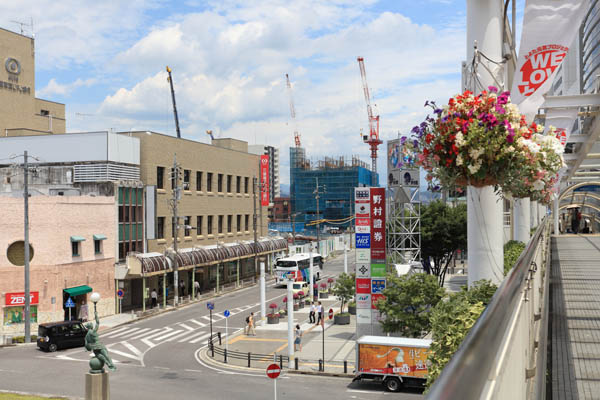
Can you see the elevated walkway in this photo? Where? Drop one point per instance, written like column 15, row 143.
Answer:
column 575, row 317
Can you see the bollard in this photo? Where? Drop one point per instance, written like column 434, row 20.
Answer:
column 280, row 361
column 212, row 349
column 225, row 356
column 249, row 359
column 296, row 364
column 345, row 366
column 219, row 334
column 320, row 365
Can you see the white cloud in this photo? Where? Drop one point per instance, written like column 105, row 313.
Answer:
column 54, row 88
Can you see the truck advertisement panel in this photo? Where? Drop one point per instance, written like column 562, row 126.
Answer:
column 382, row 359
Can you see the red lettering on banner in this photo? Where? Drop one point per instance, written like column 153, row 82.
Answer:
column 378, row 224
column 18, row 299
column 541, row 63
column 363, row 285
column 264, row 173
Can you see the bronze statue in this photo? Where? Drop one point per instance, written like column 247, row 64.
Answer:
column 92, row 342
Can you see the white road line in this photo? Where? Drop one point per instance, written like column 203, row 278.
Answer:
column 193, row 335
column 133, row 349
column 112, row 332
column 189, row 328
column 147, row 341
column 200, row 324
column 132, row 330
column 177, row 336
column 122, row 353
column 206, row 335
column 158, row 339
column 145, row 330
column 147, row 334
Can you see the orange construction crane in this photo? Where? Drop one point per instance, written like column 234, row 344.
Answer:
column 293, row 111
column 373, row 138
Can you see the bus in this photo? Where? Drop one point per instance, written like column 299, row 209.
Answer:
column 298, row 266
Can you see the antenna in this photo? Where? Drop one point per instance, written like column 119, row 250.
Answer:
column 24, row 24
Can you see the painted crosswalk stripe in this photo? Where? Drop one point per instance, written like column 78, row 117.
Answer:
column 200, row 324
column 198, row 339
column 127, row 335
column 146, row 334
column 115, row 331
column 189, row 328
column 191, row 335
column 132, row 330
column 122, row 353
column 132, row 348
column 173, row 338
column 175, row 332
column 147, row 339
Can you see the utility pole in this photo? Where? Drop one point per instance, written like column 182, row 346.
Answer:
column 26, row 237
column 254, row 225
column 175, row 176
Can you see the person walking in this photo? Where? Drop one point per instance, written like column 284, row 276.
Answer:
column 181, row 288
column 197, row 288
column 320, row 312
column 154, row 298
column 311, row 314
column 298, row 338
column 250, row 326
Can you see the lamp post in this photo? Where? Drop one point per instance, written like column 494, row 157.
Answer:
column 95, row 298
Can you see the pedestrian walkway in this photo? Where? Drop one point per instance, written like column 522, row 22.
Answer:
column 575, row 317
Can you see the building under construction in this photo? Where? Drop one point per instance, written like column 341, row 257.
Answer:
column 335, row 178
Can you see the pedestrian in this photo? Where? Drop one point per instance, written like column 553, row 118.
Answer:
column 181, row 288
column 311, row 314
column 320, row 312
column 197, row 288
column 83, row 311
column 154, row 297
column 298, row 338
column 250, row 326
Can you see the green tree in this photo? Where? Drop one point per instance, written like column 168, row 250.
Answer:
column 443, row 231
column 407, row 303
column 344, row 289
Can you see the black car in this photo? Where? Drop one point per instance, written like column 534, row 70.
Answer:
column 61, row 335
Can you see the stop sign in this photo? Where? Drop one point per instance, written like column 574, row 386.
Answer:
column 273, row 371
column 330, row 313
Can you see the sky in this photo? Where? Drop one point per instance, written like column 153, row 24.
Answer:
column 106, row 61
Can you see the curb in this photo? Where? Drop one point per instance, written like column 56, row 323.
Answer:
column 53, row 396
column 316, row 373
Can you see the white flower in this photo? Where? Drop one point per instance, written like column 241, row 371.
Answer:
column 474, row 168
column 460, row 139
column 510, row 149
column 475, row 153
column 540, row 128
column 459, row 160
column 538, row 185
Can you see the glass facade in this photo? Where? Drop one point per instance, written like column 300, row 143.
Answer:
column 590, row 48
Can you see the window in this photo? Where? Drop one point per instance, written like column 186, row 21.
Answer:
column 220, row 224
column 246, row 182
column 229, row 177
column 247, row 221
column 186, row 179
column 239, row 223
column 75, row 249
column 97, row 246
column 220, row 183
column 199, row 225
column 199, row 180
column 229, row 221
column 44, row 113
column 209, row 224
column 160, row 176
column 160, row 228
column 238, row 184
column 187, row 221
column 209, row 181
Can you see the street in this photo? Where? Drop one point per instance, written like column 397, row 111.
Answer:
column 157, row 358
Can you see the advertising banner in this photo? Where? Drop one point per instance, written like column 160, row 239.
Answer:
column 363, row 222
column 406, row 361
column 374, row 299
column 377, row 285
column 378, row 224
column 363, row 301
column 549, row 28
column 562, row 119
column 363, row 270
column 362, row 210
column 363, row 240
column 18, row 299
column 264, row 180
column 363, row 285
column 378, row 270
column 362, row 229
column 363, row 256
column 361, row 195
column 363, row 315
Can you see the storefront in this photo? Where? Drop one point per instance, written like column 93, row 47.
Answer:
column 78, row 296
column 14, row 309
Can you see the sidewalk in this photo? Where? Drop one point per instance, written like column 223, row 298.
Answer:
column 271, row 341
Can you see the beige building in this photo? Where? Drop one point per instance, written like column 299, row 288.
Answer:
column 21, row 112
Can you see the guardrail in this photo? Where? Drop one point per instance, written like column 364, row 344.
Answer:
column 504, row 354
column 228, row 354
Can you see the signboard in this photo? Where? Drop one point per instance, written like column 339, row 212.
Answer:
column 210, row 305
column 363, row 241
column 363, row 256
column 264, row 180
column 361, row 195
column 331, row 313
column 561, row 134
column 378, row 270
column 374, row 299
column 363, row 285
column 363, row 270
column 362, row 229
column 363, row 301
column 404, row 177
column 18, row 299
column 226, row 313
column 120, row 293
column 362, row 210
column 363, row 222
column 363, row 316
column 401, row 360
column 377, row 285
column 69, row 303
column 273, row 371
column 378, row 224
column 401, row 170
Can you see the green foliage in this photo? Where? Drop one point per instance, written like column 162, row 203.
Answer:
column 451, row 321
column 344, row 288
column 408, row 302
column 21, row 339
column 512, row 251
column 443, row 231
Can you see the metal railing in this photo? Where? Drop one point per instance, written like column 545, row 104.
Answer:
column 214, row 350
column 504, row 354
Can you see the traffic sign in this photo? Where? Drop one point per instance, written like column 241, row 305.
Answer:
column 120, row 293
column 330, row 313
column 210, row 305
column 69, row 303
column 226, row 313
column 273, row 371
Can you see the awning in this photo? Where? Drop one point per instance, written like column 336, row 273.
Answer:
column 99, row 237
column 77, row 239
column 77, row 290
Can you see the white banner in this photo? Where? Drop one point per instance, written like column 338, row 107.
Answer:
column 549, row 28
column 562, row 119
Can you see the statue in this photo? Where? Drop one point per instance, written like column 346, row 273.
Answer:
column 92, row 342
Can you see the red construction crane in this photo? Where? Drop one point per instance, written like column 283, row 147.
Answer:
column 373, row 138
column 293, row 111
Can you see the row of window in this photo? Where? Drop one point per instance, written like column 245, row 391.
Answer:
column 199, row 228
column 76, row 247
column 187, row 185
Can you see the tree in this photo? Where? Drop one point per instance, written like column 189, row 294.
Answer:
column 407, row 303
column 443, row 231
column 344, row 289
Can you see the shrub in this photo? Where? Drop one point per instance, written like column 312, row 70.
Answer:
column 344, row 289
column 301, row 293
column 512, row 251
column 273, row 307
column 323, row 286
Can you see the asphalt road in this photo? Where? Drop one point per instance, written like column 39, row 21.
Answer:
column 156, row 359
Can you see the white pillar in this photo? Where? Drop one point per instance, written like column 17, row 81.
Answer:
column 263, row 306
column 290, row 312
column 310, row 274
column 522, row 224
column 555, row 215
column 534, row 212
column 541, row 212
column 484, row 235
column 345, row 257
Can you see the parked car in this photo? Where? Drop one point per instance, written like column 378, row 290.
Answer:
column 300, row 287
column 61, row 335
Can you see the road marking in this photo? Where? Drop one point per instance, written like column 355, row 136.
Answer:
column 191, row 336
column 172, row 338
column 200, row 338
column 147, row 334
column 122, row 353
column 157, row 339
column 200, row 324
column 147, row 341
column 133, row 349
column 127, row 335
column 115, row 331
column 189, row 328
column 127, row 332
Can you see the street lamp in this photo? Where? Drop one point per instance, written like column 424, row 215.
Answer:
column 95, row 298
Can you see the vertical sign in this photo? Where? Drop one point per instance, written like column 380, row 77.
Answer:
column 264, row 180
column 362, row 210
column 378, row 265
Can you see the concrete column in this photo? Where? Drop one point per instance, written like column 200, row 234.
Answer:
column 290, row 312
column 143, row 294
column 237, row 284
column 541, row 212
column 484, row 208
column 310, row 273
column 165, row 290
column 484, row 235
column 522, row 223
column 534, row 214
column 193, row 281
column 555, row 215
column 263, row 297
column 345, row 258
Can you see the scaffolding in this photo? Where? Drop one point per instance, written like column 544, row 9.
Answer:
column 404, row 225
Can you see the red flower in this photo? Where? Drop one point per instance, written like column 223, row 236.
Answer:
column 428, row 138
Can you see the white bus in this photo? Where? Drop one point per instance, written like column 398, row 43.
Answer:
column 298, row 267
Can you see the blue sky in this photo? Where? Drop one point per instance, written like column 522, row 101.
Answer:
column 106, row 61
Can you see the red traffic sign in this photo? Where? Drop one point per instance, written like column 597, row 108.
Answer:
column 120, row 293
column 330, row 313
column 273, row 371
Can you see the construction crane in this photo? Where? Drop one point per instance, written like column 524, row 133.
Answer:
column 373, row 138
column 293, row 111
column 170, row 79
column 209, row 133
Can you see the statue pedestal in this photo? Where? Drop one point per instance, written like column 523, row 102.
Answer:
column 97, row 387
